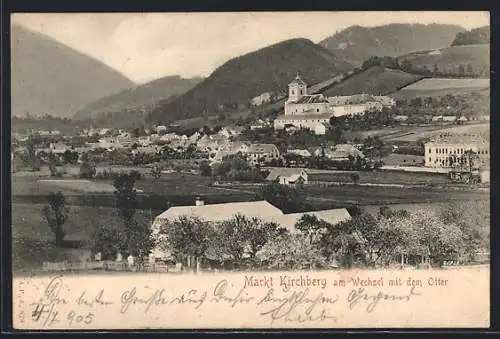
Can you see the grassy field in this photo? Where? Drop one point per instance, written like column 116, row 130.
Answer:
column 33, row 241
column 437, row 87
column 383, row 177
column 409, row 94
column 341, row 196
column 451, row 57
column 419, row 133
column 444, row 83
column 375, row 80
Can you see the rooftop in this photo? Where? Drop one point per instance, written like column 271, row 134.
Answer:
column 297, row 81
column 312, row 99
column 261, row 148
column 286, row 172
column 220, row 212
column 304, row 116
column 462, row 138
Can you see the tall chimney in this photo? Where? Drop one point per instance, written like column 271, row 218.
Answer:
column 199, row 201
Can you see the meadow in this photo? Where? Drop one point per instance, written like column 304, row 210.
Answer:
column 33, row 241
column 383, row 177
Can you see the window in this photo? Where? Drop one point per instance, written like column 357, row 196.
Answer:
column 430, row 150
column 317, row 109
column 293, row 92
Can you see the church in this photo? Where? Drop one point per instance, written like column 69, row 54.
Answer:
column 304, row 110
column 313, row 111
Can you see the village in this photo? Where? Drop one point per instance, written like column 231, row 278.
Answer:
column 245, row 158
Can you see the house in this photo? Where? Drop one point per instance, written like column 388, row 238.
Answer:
column 320, row 128
column 194, row 137
column 225, row 133
column 231, row 148
column 462, row 120
column 235, row 130
column 212, row 213
column 257, row 153
column 449, row 118
column 444, row 151
column 342, row 152
column 400, row 118
column 58, row 148
column 288, row 176
column 302, row 152
column 161, row 129
column 104, row 131
column 437, row 118
column 306, row 120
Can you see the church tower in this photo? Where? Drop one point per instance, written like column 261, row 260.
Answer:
column 296, row 89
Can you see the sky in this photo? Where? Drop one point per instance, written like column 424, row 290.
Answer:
column 147, row 46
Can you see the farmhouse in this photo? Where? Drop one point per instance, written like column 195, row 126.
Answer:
column 257, row 153
column 212, row 213
column 342, row 152
column 400, row 118
column 288, row 176
column 302, row 152
column 231, row 148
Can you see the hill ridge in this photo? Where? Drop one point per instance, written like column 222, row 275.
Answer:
column 59, row 79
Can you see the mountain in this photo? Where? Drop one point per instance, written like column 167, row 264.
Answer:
column 356, row 44
column 477, row 36
column 140, row 97
column 376, row 80
column 269, row 69
column 48, row 77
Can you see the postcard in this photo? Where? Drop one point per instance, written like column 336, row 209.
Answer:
column 250, row 170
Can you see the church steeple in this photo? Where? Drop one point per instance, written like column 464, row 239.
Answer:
column 296, row 89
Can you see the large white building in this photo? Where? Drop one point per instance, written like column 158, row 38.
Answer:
column 447, row 150
column 313, row 111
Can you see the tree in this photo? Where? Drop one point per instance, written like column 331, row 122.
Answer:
column 87, row 168
column 311, row 226
column 156, row 170
column 186, row 237
column 238, row 236
column 33, row 159
column 435, row 69
column 355, row 178
column 290, row 251
column 258, row 234
column 461, row 70
column 470, row 69
column 205, row 169
column 286, row 198
column 56, row 214
column 70, row 157
column 109, row 240
column 231, row 240
column 52, row 164
column 474, row 222
column 137, row 243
